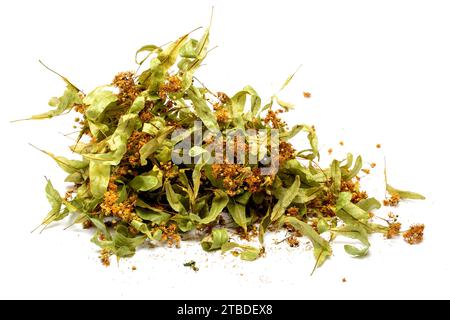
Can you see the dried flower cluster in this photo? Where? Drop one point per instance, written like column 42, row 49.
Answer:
column 415, row 234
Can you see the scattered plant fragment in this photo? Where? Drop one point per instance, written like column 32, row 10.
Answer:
column 191, row 264
column 414, row 234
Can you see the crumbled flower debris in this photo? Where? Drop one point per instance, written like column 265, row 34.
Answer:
column 393, row 230
column 393, row 201
column 414, row 235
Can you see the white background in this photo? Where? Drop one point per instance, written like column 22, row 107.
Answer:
column 378, row 71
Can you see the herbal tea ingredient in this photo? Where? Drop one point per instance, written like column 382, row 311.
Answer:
column 128, row 187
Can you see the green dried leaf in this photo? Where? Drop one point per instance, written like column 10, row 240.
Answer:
column 247, row 253
column 142, row 228
column 266, row 106
column 255, row 102
column 202, row 110
column 350, row 213
column 98, row 100
column 123, row 194
column 322, row 249
column 313, row 141
column 69, row 84
column 404, row 194
column 289, row 79
column 219, row 203
column 285, row 136
column 169, row 56
column 155, row 126
column 75, row 177
column 145, row 183
column 117, row 142
column 98, row 130
column 150, row 48
column 353, row 211
column 238, row 104
column 125, row 244
column 154, row 76
column 193, row 53
column 173, row 198
column 185, row 182
column 215, row 240
column 357, row 252
column 265, row 222
column 369, row 204
column 322, row 226
column 243, row 198
column 150, row 147
column 286, row 199
column 343, row 200
column 313, row 152
column 305, row 195
column 348, row 162
column 186, row 222
column 201, row 50
column 55, row 201
column 196, row 174
column 69, row 166
column 335, row 177
column 356, row 169
column 250, row 254
column 154, row 215
column 137, row 106
column 237, row 212
column 355, row 232
column 101, row 227
column 149, row 181
column 189, row 49
column 62, row 104
column 164, row 154
column 287, row 106
column 99, row 178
